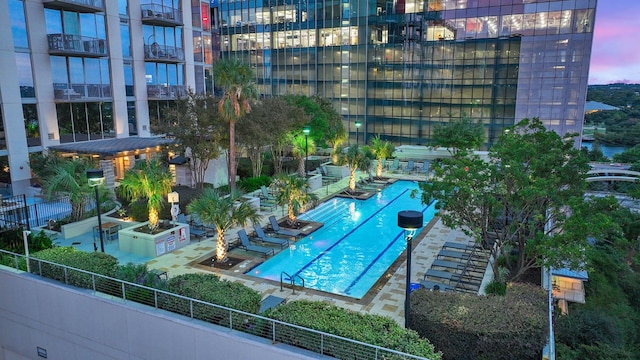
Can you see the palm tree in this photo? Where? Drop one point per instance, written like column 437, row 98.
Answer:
column 223, row 213
column 292, row 191
column 236, row 77
column 299, row 145
column 69, row 176
column 357, row 158
column 149, row 180
column 382, row 150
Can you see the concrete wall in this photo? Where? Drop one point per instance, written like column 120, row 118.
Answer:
column 70, row 323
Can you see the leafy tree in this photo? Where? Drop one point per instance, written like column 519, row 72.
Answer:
column 223, row 212
column 195, row 125
column 69, row 176
column 259, row 135
column 299, row 145
column 357, row 158
column 236, row 77
column 327, row 125
column 529, row 197
column 381, row 150
column 459, row 135
column 595, row 154
column 292, row 191
column 149, row 180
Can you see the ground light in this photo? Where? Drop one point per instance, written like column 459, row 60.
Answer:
column 306, row 130
column 95, row 178
column 410, row 221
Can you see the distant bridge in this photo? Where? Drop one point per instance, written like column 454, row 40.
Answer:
column 611, row 174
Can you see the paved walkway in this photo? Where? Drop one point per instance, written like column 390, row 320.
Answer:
column 390, row 295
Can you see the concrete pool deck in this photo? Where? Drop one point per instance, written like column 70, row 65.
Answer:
column 386, row 298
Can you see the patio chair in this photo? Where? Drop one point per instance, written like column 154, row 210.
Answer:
column 246, row 245
column 264, row 194
column 424, row 168
column 411, row 167
column 275, row 227
column 395, row 165
column 326, row 178
column 272, row 240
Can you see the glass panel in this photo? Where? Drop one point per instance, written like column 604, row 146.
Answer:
column 80, row 130
column 197, row 46
column 25, row 76
column 125, row 37
column 71, row 25
column 172, row 74
column 195, row 13
column 128, row 79
column 131, row 115
column 199, row 79
column 101, row 29
column 208, row 55
column 107, row 120
column 88, row 25
column 92, row 70
column 162, row 74
column 18, row 24
column 3, row 140
column 208, row 80
column 53, row 21
column 150, row 73
column 76, row 71
column 122, row 7
column 104, row 72
column 31, row 124
column 59, row 70
column 206, row 24
column 95, row 126
column 65, row 125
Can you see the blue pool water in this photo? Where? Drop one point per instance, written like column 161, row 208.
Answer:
column 360, row 239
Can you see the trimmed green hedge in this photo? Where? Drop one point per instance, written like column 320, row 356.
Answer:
column 96, row 262
column 210, row 288
column 253, row 183
column 371, row 329
column 513, row 326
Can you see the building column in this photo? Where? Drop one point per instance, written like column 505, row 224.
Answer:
column 118, row 89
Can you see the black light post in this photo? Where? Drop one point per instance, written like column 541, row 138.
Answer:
column 358, row 124
column 96, row 178
column 306, row 130
column 410, row 221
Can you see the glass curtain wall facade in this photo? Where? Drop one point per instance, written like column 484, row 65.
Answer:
column 400, row 67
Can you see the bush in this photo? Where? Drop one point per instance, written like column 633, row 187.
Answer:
column 372, row 329
column 210, row 288
column 589, row 327
column 496, row 288
column 139, row 274
column 513, row 326
column 254, row 183
column 95, row 262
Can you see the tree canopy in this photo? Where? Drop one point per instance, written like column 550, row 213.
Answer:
column 528, row 198
column 327, row 128
column 459, row 135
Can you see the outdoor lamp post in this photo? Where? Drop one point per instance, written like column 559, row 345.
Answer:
column 410, row 221
column 174, row 200
column 95, row 178
column 358, row 124
column 306, row 130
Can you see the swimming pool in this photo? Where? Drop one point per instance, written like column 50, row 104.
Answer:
column 360, row 239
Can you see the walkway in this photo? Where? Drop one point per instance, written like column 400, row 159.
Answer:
column 386, row 299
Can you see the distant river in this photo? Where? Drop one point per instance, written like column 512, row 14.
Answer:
column 607, row 150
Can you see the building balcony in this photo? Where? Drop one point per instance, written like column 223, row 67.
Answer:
column 155, row 14
column 166, row 92
column 83, row 6
column 163, row 53
column 80, row 92
column 63, row 44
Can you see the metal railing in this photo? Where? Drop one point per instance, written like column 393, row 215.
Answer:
column 77, row 44
column 277, row 331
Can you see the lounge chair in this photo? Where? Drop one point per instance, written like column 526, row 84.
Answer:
column 275, row 227
column 395, row 165
column 246, row 245
column 326, row 178
column 272, row 240
column 411, row 167
column 424, row 168
column 264, row 194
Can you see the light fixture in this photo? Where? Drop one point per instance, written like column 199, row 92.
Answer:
column 306, row 131
column 410, row 221
column 95, row 178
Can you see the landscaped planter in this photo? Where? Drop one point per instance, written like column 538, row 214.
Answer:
column 86, row 226
column 341, row 171
column 153, row 245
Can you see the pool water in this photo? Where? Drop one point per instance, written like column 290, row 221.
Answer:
column 360, row 239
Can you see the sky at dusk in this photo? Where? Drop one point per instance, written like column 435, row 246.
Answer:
column 616, row 43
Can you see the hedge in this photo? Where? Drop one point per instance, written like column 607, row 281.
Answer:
column 372, row 329
column 514, row 326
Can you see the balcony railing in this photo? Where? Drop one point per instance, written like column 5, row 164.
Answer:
column 277, row 332
column 63, row 44
column 166, row 92
column 163, row 53
column 69, row 92
column 156, row 14
column 85, row 6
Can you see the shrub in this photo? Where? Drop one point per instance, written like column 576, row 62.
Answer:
column 139, row 274
column 496, row 288
column 96, row 262
column 589, row 327
column 210, row 288
column 464, row 326
column 254, row 183
column 372, row 329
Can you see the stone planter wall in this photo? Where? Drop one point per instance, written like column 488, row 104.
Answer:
column 341, row 171
column 154, row 245
column 315, row 182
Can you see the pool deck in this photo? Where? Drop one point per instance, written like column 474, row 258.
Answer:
column 386, row 298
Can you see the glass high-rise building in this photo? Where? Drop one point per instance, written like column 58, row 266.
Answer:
column 400, row 67
column 82, row 70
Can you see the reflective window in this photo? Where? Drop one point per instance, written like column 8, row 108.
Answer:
column 125, row 38
column 128, row 79
column 18, row 24
column 197, row 46
column 85, row 121
column 195, row 13
column 25, row 75
column 131, row 115
column 122, row 7
column 3, row 140
column 31, row 124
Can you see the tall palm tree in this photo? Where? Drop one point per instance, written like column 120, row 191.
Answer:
column 382, row 150
column 69, row 176
column 236, row 77
column 223, row 213
column 149, row 180
column 299, row 145
column 292, row 191
column 357, row 158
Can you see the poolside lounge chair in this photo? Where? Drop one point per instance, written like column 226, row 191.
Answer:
column 326, row 178
column 434, row 286
column 272, row 240
column 441, row 275
column 425, row 167
column 270, row 302
column 264, row 194
column 275, row 227
column 395, row 165
column 246, row 245
column 411, row 166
